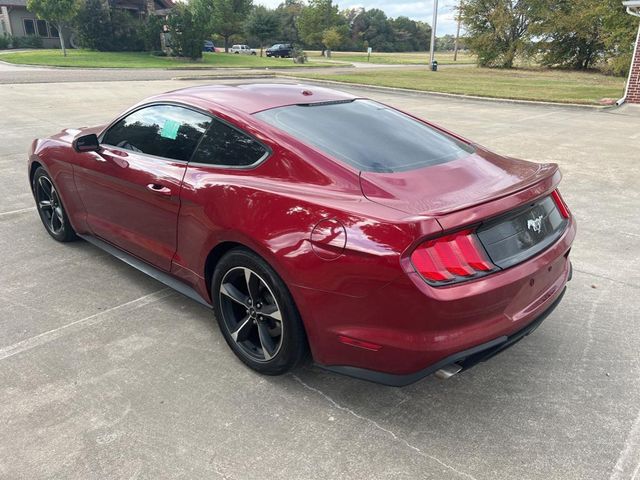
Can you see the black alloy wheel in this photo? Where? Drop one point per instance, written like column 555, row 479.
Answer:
column 256, row 313
column 50, row 207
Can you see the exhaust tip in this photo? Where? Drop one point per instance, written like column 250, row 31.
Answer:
column 448, row 371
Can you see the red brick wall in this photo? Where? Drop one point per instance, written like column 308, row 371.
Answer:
column 633, row 88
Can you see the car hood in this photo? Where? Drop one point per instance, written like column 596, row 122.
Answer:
column 455, row 185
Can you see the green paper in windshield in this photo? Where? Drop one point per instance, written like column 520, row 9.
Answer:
column 170, row 129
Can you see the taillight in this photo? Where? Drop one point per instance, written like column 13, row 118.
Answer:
column 562, row 207
column 452, row 258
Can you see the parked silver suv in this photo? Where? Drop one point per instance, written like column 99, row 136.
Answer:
column 243, row 49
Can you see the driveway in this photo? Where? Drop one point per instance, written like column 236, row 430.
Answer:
column 106, row 374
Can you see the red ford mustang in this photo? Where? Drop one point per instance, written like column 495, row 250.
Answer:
column 308, row 218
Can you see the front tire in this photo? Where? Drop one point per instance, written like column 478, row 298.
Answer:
column 50, row 208
column 256, row 313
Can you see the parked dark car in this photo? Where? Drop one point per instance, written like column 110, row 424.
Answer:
column 279, row 50
column 308, row 218
column 208, row 46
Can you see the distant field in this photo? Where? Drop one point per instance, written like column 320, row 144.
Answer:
column 523, row 84
column 91, row 59
column 404, row 58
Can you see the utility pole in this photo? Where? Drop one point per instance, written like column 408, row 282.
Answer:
column 433, row 32
column 455, row 44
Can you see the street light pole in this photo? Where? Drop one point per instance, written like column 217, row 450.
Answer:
column 433, row 31
column 455, row 45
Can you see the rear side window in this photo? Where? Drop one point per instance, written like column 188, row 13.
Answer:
column 223, row 145
column 367, row 135
column 162, row 130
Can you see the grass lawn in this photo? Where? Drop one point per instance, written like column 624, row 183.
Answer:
column 530, row 84
column 87, row 58
column 399, row 58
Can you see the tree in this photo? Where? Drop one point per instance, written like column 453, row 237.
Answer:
column 263, row 24
column 58, row 12
column 445, row 43
column 93, row 25
column 317, row 17
column 188, row 31
column 378, row 32
column 410, row 35
column 289, row 12
column 331, row 38
column 229, row 17
column 579, row 33
column 110, row 29
column 497, row 30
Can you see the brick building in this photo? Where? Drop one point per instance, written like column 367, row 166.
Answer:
column 632, row 92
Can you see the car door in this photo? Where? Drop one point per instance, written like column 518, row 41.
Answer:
column 225, row 153
column 131, row 187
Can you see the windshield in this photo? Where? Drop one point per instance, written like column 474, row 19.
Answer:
column 367, row 135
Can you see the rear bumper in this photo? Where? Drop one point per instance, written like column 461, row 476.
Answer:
column 465, row 358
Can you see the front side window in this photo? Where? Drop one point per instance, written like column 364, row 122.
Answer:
column 29, row 27
column 225, row 146
column 42, row 28
column 54, row 31
column 161, row 130
column 367, row 135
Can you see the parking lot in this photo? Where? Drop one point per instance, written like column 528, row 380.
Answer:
column 107, row 374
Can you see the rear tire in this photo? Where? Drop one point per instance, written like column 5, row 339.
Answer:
column 50, row 208
column 256, row 313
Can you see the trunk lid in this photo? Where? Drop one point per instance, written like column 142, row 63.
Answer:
column 448, row 187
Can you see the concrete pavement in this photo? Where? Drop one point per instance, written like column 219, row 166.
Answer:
column 106, row 374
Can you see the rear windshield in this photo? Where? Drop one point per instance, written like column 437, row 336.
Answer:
column 367, row 135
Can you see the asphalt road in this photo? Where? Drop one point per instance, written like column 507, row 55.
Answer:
column 12, row 74
column 106, row 374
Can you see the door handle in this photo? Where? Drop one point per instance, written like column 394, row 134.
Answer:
column 159, row 189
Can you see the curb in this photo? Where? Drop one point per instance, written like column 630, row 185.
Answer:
column 228, row 77
column 164, row 69
column 451, row 95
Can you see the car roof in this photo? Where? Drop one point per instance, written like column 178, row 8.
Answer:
column 252, row 98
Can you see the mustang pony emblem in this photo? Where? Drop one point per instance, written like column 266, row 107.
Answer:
column 535, row 224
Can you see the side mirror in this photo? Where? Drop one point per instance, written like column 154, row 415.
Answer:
column 86, row 143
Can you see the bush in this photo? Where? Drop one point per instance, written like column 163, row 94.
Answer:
column 617, row 66
column 187, row 34
column 115, row 30
column 128, row 32
column 298, row 55
column 151, row 33
column 26, row 42
column 93, row 25
column 5, row 41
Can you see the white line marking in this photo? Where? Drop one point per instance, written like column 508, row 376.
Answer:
column 379, row 427
column 630, row 455
column 13, row 212
column 78, row 325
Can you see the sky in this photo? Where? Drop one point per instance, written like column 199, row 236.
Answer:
column 416, row 10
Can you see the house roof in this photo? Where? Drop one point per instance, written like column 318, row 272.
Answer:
column 13, row 3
